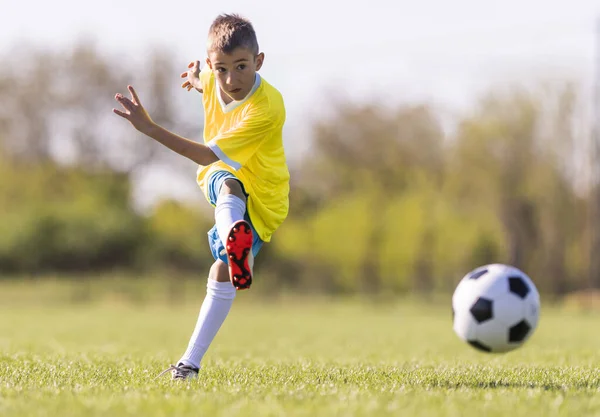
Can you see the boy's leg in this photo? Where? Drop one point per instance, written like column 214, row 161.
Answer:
column 230, row 227
column 230, row 207
column 217, row 303
column 235, row 233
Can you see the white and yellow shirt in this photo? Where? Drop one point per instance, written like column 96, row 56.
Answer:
column 247, row 137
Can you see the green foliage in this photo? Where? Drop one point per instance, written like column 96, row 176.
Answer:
column 387, row 200
column 177, row 237
column 64, row 219
column 425, row 211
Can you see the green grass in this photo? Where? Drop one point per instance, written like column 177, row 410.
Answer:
column 289, row 358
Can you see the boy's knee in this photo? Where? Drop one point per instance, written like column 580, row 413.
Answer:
column 231, row 186
column 219, row 271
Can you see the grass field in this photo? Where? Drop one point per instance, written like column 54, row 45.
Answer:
column 292, row 357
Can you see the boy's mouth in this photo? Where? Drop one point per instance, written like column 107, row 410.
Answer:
column 235, row 90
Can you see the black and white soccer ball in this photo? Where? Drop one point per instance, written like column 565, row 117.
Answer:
column 495, row 308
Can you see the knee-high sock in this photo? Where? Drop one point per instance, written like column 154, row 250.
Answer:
column 214, row 310
column 229, row 210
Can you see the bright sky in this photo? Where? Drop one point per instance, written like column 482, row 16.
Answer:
column 446, row 52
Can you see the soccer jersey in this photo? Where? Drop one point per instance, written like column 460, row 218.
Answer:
column 247, row 138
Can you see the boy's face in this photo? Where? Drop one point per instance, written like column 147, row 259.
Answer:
column 235, row 72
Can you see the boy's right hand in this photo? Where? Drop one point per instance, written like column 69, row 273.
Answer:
column 134, row 112
column 193, row 77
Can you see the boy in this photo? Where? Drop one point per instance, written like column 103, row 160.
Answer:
column 242, row 167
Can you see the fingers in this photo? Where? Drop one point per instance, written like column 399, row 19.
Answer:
column 191, row 64
column 184, row 74
column 136, row 99
column 125, row 102
column 185, row 84
column 120, row 113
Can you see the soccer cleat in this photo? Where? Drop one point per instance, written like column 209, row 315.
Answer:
column 181, row 372
column 239, row 254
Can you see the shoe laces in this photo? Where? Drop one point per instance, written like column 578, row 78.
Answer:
column 179, row 371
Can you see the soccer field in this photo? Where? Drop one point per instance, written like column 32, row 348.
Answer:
column 290, row 358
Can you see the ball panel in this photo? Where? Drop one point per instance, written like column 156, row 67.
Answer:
column 519, row 332
column 508, row 309
column 464, row 296
column 478, row 273
column 495, row 335
column 479, row 346
column 464, row 325
column 518, row 286
column 482, row 310
column 532, row 305
column 532, row 309
column 493, row 284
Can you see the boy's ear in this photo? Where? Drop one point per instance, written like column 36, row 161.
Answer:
column 208, row 63
column 260, row 58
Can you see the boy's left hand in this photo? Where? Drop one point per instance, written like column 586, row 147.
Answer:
column 193, row 77
column 134, row 112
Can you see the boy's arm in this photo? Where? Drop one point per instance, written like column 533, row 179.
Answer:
column 141, row 120
column 197, row 152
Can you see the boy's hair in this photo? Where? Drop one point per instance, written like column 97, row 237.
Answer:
column 231, row 31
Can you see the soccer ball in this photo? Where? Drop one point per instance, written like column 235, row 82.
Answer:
column 495, row 308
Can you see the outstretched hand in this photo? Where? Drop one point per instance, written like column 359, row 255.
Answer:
column 134, row 112
column 193, row 77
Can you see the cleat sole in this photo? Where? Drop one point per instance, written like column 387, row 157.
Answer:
column 238, row 248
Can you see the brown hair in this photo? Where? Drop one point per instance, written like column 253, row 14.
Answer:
column 231, row 31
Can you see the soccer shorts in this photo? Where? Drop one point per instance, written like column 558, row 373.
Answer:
column 215, row 182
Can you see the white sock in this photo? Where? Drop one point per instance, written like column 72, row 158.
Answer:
column 214, row 310
column 229, row 210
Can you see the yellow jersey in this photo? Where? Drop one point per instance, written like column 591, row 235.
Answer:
column 247, row 137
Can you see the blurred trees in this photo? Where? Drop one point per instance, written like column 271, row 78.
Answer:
column 68, row 163
column 387, row 201
column 392, row 203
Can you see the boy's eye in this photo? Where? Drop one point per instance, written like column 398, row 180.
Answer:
column 241, row 66
column 221, row 69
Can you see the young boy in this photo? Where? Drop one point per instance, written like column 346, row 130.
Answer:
column 242, row 167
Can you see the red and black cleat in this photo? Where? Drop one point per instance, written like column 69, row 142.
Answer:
column 239, row 245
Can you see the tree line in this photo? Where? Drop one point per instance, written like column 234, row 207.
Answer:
column 386, row 200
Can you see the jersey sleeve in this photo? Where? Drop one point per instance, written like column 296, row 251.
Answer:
column 205, row 77
column 237, row 145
